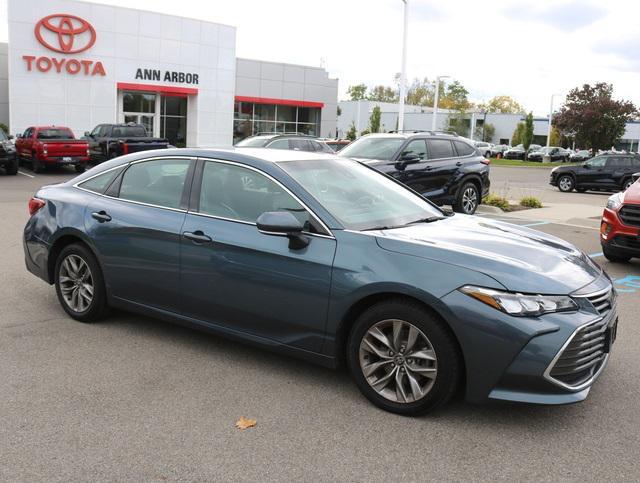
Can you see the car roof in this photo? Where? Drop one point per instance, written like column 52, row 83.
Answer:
column 415, row 133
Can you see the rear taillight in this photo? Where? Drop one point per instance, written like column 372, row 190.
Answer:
column 35, row 204
column 125, row 148
column 88, row 151
column 485, row 161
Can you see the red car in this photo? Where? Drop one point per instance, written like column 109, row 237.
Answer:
column 620, row 226
column 43, row 146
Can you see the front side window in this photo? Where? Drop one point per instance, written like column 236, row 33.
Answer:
column 439, row 148
column 359, row 197
column 383, row 148
column 279, row 144
column 158, row 182
column 416, row 148
column 597, row 162
column 242, row 194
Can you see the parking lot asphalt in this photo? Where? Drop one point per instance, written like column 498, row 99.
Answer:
column 132, row 398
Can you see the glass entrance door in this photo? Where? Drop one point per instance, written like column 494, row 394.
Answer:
column 140, row 108
column 145, row 119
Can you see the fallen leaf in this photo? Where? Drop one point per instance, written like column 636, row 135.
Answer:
column 244, row 423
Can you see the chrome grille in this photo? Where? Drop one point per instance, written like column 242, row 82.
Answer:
column 630, row 215
column 602, row 301
column 583, row 356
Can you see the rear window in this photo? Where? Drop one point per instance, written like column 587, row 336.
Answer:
column 129, row 132
column 439, row 148
column 55, row 133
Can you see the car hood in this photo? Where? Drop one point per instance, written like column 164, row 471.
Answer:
column 632, row 195
column 519, row 258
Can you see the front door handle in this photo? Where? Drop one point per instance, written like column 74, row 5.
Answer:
column 101, row 216
column 458, row 163
column 197, row 237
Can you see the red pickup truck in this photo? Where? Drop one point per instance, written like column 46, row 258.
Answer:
column 43, row 146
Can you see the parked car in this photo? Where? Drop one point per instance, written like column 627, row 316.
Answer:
column 498, row 150
column 580, row 156
column 610, row 172
column 483, row 148
column 337, row 144
column 321, row 257
column 620, row 224
column 518, row 152
column 47, row 146
column 108, row 141
column 445, row 168
column 8, row 158
column 554, row 153
column 295, row 142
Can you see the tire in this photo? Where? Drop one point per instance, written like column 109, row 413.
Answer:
column 12, row 168
column 436, row 379
column 566, row 183
column 468, row 199
column 85, row 310
column 614, row 256
column 36, row 165
column 626, row 184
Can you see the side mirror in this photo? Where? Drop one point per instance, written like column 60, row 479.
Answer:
column 18, row 136
column 407, row 159
column 585, row 165
column 635, row 177
column 283, row 223
column 87, row 134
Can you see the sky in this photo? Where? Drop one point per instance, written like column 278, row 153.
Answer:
column 527, row 49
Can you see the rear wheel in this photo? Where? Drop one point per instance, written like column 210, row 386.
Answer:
column 613, row 256
column 403, row 358
column 12, row 167
column 468, row 199
column 79, row 284
column 566, row 183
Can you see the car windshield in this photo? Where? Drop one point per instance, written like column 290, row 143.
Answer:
column 254, row 142
column 359, row 197
column 55, row 133
column 583, row 153
column 373, row 148
column 129, row 132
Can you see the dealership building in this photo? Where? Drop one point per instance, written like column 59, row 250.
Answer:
column 80, row 64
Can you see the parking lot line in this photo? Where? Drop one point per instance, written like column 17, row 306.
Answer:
column 537, row 223
column 25, row 174
column 597, row 254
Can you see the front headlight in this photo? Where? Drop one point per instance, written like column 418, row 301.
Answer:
column 518, row 304
column 614, row 201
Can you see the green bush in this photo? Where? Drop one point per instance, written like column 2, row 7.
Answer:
column 4, row 127
column 495, row 200
column 531, row 202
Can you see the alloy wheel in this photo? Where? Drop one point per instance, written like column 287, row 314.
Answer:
column 469, row 200
column 398, row 361
column 565, row 183
column 76, row 283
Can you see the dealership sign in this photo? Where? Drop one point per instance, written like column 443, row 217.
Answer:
column 65, row 34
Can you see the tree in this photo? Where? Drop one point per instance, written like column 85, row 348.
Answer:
column 455, row 97
column 555, row 138
column 518, row 132
column 459, row 123
column 4, row 127
column 485, row 132
column 592, row 115
column 352, row 133
column 527, row 133
column 383, row 94
column 503, row 105
column 357, row 92
column 374, row 120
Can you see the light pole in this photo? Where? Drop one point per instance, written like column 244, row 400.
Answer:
column 550, row 116
column 403, row 73
column 435, row 101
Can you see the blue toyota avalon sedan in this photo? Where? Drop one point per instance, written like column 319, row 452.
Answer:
column 326, row 259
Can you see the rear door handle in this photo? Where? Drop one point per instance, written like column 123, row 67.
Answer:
column 197, row 237
column 101, row 216
column 458, row 163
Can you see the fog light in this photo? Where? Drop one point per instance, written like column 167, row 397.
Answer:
column 605, row 229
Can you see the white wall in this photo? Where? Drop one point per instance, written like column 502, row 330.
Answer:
column 127, row 39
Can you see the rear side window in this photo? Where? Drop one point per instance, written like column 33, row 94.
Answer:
column 158, row 182
column 439, row 148
column 100, row 183
column 463, row 148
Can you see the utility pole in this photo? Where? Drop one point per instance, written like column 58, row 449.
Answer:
column 403, row 73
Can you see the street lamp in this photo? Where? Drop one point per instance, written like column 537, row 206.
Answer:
column 435, row 101
column 403, row 74
column 550, row 116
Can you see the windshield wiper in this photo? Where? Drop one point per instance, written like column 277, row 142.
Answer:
column 429, row 219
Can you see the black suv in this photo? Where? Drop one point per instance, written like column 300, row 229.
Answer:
column 445, row 168
column 295, row 142
column 610, row 172
column 8, row 158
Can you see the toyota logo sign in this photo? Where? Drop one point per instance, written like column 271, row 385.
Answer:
column 64, row 33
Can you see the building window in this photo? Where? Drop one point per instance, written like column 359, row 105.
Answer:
column 173, row 120
column 253, row 118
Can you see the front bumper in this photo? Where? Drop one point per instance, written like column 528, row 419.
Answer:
column 518, row 359
column 617, row 237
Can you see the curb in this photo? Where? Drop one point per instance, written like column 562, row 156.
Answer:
column 489, row 209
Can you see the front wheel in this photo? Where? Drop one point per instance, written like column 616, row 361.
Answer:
column 12, row 168
column 468, row 199
column 79, row 284
column 403, row 358
column 566, row 183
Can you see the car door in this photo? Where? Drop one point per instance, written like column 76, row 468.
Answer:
column 444, row 165
column 136, row 230
column 23, row 145
column 416, row 172
column 94, row 144
column 246, row 281
column 590, row 174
